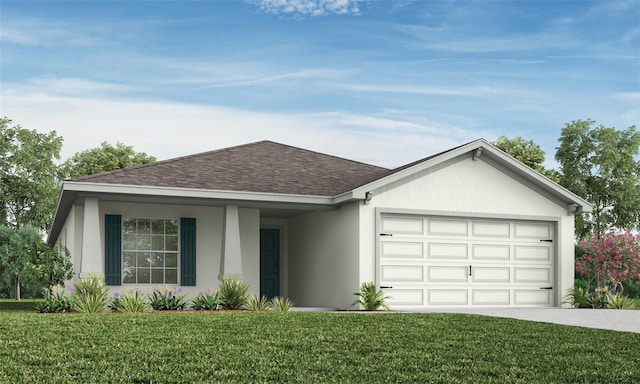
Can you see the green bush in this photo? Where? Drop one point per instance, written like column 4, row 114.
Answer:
column 91, row 295
column 281, row 304
column 233, row 293
column 55, row 300
column 129, row 301
column 167, row 299
column 371, row 298
column 578, row 297
column 631, row 288
column 206, row 301
column 258, row 303
column 617, row 301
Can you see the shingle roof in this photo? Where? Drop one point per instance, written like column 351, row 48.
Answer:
column 262, row 166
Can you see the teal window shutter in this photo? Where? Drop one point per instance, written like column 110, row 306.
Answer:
column 188, row 251
column 113, row 249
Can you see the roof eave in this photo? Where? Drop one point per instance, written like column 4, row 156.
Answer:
column 560, row 194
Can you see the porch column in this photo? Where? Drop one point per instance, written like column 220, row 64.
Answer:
column 91, row 257
column 231, row 260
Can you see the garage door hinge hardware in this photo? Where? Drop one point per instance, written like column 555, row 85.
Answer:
column 548, row 241
column 386, row 234
column 546, row 287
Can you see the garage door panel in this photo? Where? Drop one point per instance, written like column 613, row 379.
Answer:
column 447, row 251
column 447, row 274
column 532, row 297
column 491, row 275
column 532, row 275
column 538, row 231
column 532, row 253
column 403, row 225
column 448, row 297
column 452, row 261
column 401, row 273
column 405, row 297
column 491, row 297
column 402, row 249
column 490, row 252
column 448, row 227
column 491, row 229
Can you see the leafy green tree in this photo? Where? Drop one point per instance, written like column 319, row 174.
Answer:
column 29, row 175
column 600, row 164
column 26, row 262
column 104, row 158
column 528, row 152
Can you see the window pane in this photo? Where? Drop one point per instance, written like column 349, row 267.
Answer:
column 157, row 260
column 171, row 276
column 144, row 226
column 129, row 242
column 171, row 243
column 171, row 260
column 157, row 242
column 143, row 260
column 144, row 275
column 157, row 276
column 129, row 226
column 143, row 242
column 171, row 227
column 129, row 275
column 157, row 226
column 129, row 260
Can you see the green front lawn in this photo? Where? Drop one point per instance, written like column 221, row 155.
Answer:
column 193, row 347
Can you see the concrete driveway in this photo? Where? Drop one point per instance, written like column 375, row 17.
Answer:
column 613, row 319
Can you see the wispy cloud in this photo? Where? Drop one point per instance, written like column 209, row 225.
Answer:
column 66, row 87
column 152, row 126
column 303, row 74
column 309, row 7
column 42, row 33
column 627, row 96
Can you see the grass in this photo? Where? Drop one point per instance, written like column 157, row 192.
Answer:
column 196, row 347
column 13, row 305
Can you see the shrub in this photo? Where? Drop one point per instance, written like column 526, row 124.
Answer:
column 632, row 288
column 371, row 298
column 166, row 298
column 617, row 301
column 206, row 301
column 281, row 304
column 92, row 296
column 233, row 293
column 130, row 301
column 577, row 297
column 258, row 303
column 56, row 300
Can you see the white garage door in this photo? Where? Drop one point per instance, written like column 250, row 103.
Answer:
column 440, row 261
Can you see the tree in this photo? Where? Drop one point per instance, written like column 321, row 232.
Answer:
column 609, row 260
column 104, row 158
column 600, row 165
column 29, row 175
column 25, row 261
column 528, row 152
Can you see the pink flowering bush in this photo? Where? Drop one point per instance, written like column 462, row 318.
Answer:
column 609, row 259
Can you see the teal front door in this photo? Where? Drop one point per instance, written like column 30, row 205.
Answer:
column 269, row 262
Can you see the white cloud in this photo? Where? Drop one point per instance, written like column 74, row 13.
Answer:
column 309, row 7
column 167, row 129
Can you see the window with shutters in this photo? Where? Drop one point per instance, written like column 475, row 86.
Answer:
column 150, row 251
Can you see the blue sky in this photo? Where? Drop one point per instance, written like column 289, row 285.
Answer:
column 384, row 82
